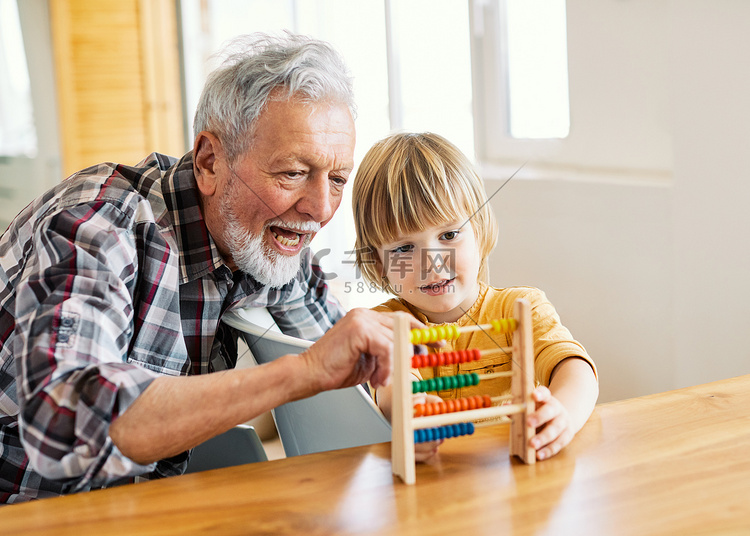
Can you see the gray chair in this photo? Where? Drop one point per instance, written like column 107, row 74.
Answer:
column 236, row 446
column 327, row 421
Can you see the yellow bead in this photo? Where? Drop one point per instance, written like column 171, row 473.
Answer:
column 415, row 336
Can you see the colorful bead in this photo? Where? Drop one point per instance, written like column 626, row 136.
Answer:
column 443, row 432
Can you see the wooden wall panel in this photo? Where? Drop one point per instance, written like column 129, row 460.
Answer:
column 117, row 80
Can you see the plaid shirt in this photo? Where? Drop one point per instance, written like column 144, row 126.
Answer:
column 107, row 281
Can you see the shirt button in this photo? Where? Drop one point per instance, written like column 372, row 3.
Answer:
column 67, row 322
column 62, row 337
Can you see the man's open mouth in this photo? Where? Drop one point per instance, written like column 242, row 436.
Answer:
column 286, row 237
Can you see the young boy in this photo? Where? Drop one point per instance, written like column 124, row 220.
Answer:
column 424, row 233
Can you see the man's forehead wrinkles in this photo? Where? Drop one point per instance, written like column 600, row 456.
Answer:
column 317, row 159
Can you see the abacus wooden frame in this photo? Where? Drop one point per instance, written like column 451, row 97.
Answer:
column 404, row 423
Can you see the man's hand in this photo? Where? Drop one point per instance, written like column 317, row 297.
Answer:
column 358, row 348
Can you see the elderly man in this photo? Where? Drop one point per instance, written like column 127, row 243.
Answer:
column 113, row 361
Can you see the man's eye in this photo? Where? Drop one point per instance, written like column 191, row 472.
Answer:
column 403, row 249
column 450, row 235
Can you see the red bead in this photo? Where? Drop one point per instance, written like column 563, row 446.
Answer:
column 487, row 401
column 476, row 355
column 419, row 410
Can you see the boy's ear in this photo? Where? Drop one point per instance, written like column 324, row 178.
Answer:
column 379, row 266
column 205, row 150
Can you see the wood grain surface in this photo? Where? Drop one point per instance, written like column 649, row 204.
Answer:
column 671, row 463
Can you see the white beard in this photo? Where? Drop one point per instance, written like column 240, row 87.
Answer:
column 266, row 266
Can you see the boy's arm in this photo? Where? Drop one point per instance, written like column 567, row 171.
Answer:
column 384, row 400
column 563, row 409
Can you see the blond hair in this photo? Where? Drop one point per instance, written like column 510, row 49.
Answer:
column 409, row 182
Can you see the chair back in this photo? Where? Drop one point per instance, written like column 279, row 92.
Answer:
column 236, row 446
column 330, row 420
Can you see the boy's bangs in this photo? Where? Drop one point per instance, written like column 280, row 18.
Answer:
column 423, row 208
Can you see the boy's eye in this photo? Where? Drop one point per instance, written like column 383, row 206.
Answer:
column 403, row 249
column 450, row 235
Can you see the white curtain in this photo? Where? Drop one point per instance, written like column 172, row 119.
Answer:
column 17, row 133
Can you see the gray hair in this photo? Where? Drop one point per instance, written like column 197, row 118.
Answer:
column 236, row 93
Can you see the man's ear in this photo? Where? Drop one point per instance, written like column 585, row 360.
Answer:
column 205, row 151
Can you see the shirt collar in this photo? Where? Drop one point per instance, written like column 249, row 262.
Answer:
column 198, row 252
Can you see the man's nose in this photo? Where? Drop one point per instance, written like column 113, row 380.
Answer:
column 317, row 200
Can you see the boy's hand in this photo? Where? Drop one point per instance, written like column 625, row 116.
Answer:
column 425, row 451
column 552, row 423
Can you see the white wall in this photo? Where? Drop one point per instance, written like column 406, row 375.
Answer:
column 711, row 106
column 651, row 276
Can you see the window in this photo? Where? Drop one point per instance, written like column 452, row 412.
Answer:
column 412, row 70
column 565, row 91
column 537, row 69
column 17, row 131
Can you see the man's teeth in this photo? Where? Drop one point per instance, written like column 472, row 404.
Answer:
column 287, row 241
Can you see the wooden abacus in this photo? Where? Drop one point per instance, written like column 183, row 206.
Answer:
column 459, row 420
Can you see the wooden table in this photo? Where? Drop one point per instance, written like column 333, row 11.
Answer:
column 672, row 463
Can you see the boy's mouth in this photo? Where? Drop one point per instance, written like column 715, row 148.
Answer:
column 436, row 289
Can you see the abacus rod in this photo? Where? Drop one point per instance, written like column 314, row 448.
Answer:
column 492, row 375
column 499, row 420
column 466, row 416
column 437, row 387
column 501, row 349
column 495, row 400
column 475, row 327
column 501, row 398
column 506, row 350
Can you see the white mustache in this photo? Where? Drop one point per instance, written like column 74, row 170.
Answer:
column 297, row 227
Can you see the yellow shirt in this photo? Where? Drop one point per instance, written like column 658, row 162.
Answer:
column 552, row 341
